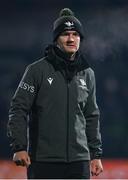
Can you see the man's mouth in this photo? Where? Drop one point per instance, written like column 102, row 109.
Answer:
column 71, row 45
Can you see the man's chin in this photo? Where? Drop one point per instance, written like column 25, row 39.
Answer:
column 71, row 55
column 71, row 52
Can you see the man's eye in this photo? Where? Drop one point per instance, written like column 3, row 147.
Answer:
column 64, row 34
column 75, row 34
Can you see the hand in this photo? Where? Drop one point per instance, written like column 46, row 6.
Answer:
column 21, row 158
column 96, row 167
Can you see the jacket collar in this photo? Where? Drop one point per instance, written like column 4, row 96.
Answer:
column 60, row 59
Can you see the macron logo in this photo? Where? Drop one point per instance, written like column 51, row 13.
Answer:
column 69, row 24
column 50, row 80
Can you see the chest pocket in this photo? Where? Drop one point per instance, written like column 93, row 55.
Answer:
column 82, row 89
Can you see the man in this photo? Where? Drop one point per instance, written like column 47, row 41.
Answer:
column 58, row 94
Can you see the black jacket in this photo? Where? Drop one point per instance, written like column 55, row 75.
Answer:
column 59, row 97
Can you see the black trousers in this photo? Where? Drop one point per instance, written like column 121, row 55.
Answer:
column 59, row 170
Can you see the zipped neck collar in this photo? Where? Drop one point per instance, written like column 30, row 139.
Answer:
column 58, row 58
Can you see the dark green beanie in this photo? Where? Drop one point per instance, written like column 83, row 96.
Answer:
column 67, row 21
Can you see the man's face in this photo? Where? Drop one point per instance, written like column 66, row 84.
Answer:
column 69, row 42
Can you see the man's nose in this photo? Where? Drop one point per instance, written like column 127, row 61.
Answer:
column 70, row 37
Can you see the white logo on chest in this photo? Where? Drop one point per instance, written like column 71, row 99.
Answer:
column 50, row 80
column 83, row 84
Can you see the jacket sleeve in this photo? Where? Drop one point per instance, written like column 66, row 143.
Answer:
column 92, row 115
column 19, row 109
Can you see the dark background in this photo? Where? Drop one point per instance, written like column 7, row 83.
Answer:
column 26, row 29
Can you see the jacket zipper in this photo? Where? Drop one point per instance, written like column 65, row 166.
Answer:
column 67, row 121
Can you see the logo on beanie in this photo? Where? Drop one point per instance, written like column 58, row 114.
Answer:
column 69, row 24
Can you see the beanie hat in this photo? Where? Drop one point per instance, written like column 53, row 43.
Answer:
column 67, row 21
